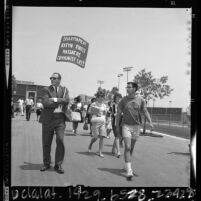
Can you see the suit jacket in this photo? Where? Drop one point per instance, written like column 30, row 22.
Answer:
column 49, row 106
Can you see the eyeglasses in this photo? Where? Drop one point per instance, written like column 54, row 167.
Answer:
column 128, row 87
column 53, row 78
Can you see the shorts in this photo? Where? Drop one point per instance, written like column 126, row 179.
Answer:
column 131, row 131
column 98, row 129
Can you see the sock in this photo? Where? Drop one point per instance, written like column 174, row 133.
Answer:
column 128, row 167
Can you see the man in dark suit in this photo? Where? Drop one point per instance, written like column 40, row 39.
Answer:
column 55, row 102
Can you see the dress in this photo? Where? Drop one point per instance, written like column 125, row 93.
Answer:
column 98, row 119
column 39, row 107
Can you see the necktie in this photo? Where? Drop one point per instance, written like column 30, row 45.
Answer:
column 56, row 92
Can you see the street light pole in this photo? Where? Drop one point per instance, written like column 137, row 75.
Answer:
column 100, row 82
column 119, row 75
column 127, row 69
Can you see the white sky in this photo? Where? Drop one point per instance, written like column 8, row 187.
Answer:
column 150, row 38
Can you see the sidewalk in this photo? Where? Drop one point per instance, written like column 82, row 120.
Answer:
column 157, row 161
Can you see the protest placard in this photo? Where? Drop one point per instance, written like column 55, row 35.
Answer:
column 73, row 49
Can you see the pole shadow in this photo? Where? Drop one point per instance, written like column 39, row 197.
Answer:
column 86, row 153
column 180, row 153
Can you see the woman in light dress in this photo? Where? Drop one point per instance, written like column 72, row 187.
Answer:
column 98, row 111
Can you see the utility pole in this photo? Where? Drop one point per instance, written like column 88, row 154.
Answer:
column 100, row 82
column 119, row 75
column 127, row 69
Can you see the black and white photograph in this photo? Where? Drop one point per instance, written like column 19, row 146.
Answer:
column 101, row 97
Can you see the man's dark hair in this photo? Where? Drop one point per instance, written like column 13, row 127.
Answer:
column 59, row 75
column 134, row 85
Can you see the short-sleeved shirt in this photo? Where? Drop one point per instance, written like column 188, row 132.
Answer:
column 132, row 109
column 101, row 108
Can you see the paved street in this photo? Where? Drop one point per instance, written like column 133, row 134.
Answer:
column 157, row 161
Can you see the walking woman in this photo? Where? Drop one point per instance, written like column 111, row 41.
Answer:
column 98, row 111
column 39, row 108
column 115, row 147
column 88, row 115
column 77, row 106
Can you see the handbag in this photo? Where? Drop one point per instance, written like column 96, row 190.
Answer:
column 85, row 126
column 75, row 116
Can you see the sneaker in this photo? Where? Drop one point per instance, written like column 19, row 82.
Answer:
column 129, row 175
column 100, row 154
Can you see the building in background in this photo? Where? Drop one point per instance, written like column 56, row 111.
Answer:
column 24, row 89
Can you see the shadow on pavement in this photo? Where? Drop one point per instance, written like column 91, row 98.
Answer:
column 180, row 153
column 118, row 172
column 32, row 166
column 150, row 135
column 108, row 153
column 69, row 134
column 108, row 145
column 87, row 153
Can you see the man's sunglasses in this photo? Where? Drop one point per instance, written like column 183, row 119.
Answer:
column 53, row 78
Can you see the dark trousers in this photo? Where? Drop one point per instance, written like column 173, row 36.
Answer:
column 28, row 112
column 56, row 126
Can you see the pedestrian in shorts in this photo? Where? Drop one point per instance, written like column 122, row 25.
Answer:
column 131, row 106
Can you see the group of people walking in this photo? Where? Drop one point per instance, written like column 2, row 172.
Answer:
column 26, row 107
column 122, row 116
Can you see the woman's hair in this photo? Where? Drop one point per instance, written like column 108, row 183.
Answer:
column 78, row 98
column 93, row 100
column 117, row 95
column 100, row 94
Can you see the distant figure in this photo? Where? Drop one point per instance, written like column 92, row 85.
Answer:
column 131, row 106
column 84, row 112
column 117, row 136
column 55, row 102
column 39, row 107
column 12, row 108
column 29, row 104
column 77, row 106
column 98, row 111
column 88, row 115
column 20, row 104
column 109, row 119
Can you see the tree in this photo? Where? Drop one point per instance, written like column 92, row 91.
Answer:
column 151, row 88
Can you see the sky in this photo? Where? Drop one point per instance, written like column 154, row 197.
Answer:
column 152, row 38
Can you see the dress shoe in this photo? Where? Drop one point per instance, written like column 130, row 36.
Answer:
column 59, row 169
column 45, row 167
